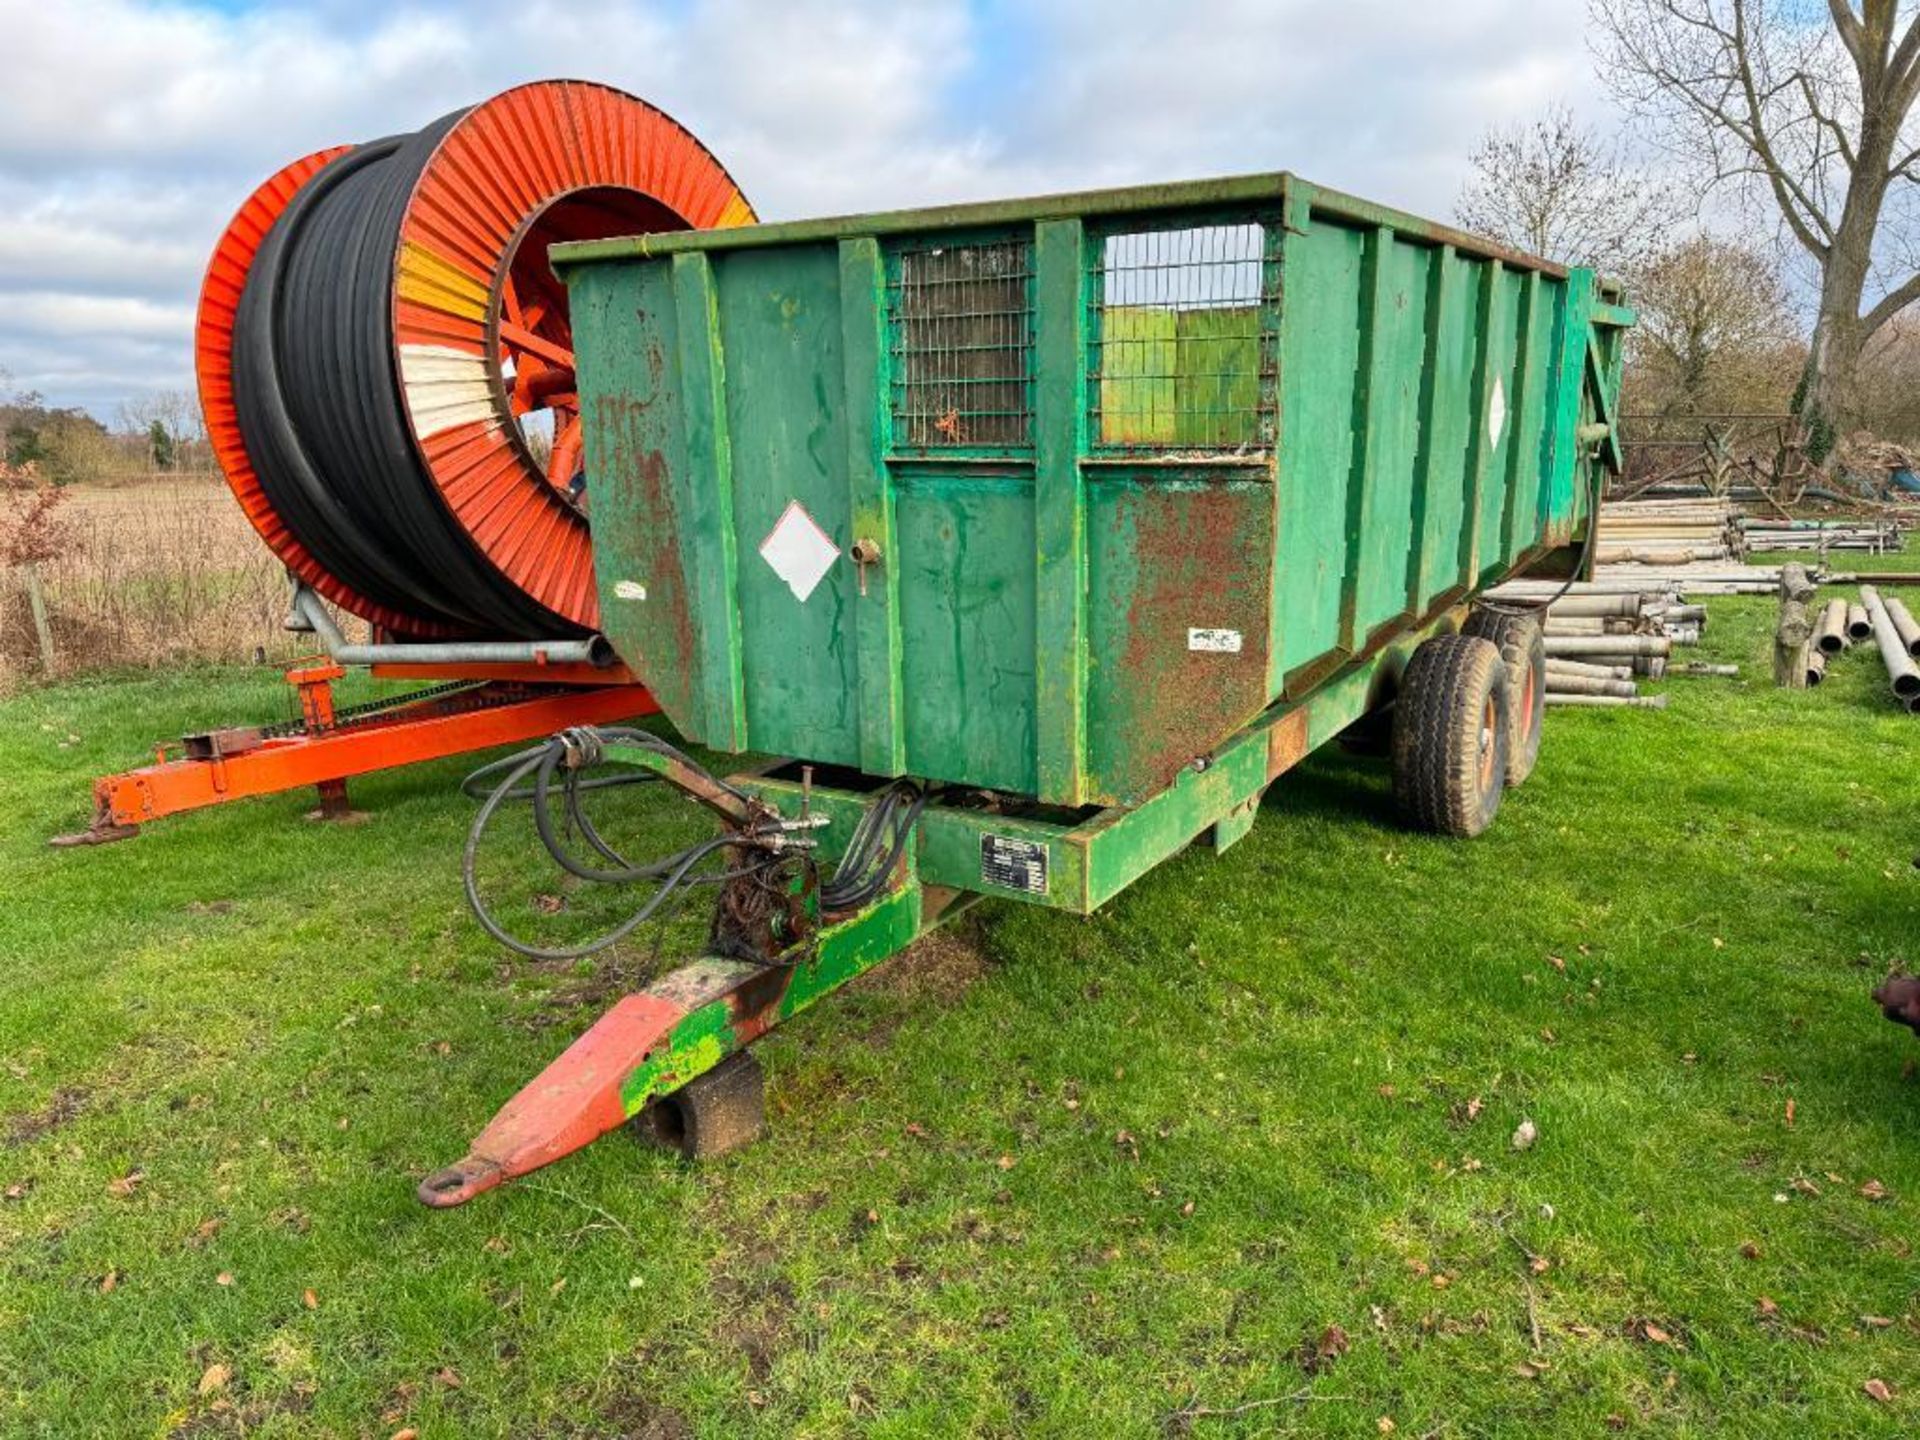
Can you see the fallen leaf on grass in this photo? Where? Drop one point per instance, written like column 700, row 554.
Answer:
column 1653, row 1333
column 215, row 1379
column 407, row 1434
column 549, row 904
column 1385, row 1425
column 446, row 1375
column 1005, row 1162
column 109, row 1282
column 1767, row 1306
column 1790, row 1109
column 1317, row 1354
column 1539, row 1265
column 1525, row 1135
column 1750, row 1250
column 1873, row 1190
column 309, row 1299
column 225, row 1277
column 19, row 1191
column 1879, row 1390
column 1876, row 1322
column 128, row 1183
column 1474, row 1108
column 1557, row 963
column 204, row 1231
column 1804, row 1185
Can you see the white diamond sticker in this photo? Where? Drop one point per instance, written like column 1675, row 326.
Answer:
column 1497, row 410
column 799, row 551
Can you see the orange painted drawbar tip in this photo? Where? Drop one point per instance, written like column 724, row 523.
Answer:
column 481, row 337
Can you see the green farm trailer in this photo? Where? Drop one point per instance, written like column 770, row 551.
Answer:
column 1043, row 536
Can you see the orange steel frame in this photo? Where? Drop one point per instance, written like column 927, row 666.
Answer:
column 235, row 764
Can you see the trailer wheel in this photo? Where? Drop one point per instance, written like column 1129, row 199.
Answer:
column 1450, row 736
column 711, row 1114
column 1522, row 644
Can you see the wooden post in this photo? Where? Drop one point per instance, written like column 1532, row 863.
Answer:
column 1795, row 629
column 37, row 600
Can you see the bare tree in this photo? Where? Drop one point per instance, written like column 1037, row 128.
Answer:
column 1717, row 332
column 1807, row 110
column 1560, row 189
column 177, row 414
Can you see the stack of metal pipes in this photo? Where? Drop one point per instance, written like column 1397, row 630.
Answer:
column 1602, row 637
column 1874, row 536
column 1885, row 621
column 1679, row 531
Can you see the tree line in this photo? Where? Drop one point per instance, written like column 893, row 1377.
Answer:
column 1791, row 123
column 64, row 445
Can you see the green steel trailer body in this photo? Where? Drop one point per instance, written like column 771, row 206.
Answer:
column 1043, row 537
column 1095, row 479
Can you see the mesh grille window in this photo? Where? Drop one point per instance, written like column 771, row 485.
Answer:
column 1179, row 358
column 963, row 346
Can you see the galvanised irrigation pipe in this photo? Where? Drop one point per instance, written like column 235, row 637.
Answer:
column 1590, row 672
column 1637, row 702
column 1903, row 624
column 1900, row 667
column 1575, row 606
column 1559, row 684
column 308, row 607
column 1583, row 645
column 1830, row 635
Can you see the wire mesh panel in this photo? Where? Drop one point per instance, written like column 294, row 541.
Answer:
column 963, row 345
column 1182, row 349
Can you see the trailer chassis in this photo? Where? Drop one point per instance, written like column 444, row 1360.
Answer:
column 672, row 1058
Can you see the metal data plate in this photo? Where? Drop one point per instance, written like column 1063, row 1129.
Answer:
column 1014, row 864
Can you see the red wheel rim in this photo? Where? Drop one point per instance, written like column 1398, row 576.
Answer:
column 1489, row 743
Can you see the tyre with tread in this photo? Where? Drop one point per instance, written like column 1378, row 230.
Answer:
column 1522, row 643
column 1450, row 736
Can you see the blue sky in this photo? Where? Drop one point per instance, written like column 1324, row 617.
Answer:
column 129, row 130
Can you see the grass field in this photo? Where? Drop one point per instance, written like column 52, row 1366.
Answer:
column 1243, row 1140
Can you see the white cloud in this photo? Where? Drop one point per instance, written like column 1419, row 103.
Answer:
column 130, row 129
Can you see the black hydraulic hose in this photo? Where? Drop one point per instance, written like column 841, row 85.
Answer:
column 577, row 749
column 319, row 402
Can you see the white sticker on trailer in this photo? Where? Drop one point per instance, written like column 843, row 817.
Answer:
column 629, row 590
column 1218, row 642
column 1497, row 410
column 799, row 551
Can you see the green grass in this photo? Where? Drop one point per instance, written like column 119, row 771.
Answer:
column 1061, row 1178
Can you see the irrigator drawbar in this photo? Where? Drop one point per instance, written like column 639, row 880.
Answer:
column 1044, row 536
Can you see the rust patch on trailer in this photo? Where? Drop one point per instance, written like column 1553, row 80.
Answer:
column 1286, row 743
column 1192, row 655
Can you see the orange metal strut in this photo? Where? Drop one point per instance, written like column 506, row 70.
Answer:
column 235, row 763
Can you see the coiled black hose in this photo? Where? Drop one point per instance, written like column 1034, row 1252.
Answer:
column 866, row 869
column 561, row 757
column 318, row 398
